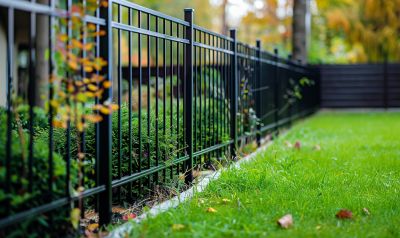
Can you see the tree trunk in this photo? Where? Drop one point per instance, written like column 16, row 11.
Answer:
column 42, row 64
column 225, row 26
column 301, row 30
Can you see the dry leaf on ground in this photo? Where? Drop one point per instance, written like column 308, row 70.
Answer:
column 344, row 214
column 129, row 216
column 211, row 210
column 93, row 227
column 297, row 145
column 286, row 221
column 288, row 144
column 317, row 147
column 366, row 211
column 225, row 200
column 178, row 227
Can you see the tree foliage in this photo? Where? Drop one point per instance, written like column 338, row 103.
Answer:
column 356, row 31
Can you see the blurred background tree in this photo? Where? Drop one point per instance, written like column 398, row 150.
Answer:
column 346, row 31
column 342, row 31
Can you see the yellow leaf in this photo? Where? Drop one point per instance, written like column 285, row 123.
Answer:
column 86, row 80
column 88, row 46
column 54, row 103
column 80, row 126
column 106, row 84
column 63, row 37
column 95, row 118
column 70, row 88
column 211, row 210
column 75, row 216
column 76, row 44
column 92, row 227
column 88, row 69
column 92, row 87
column 91, row 27
column 72, row 64
column 104, row 3
column 225, row 200
column 97, row 107
column 78, row 83
column 58, row 124
column 105, row 110
column 114, row 107
column 178, row 227
column 89, row 94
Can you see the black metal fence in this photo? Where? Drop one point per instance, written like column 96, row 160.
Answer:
column 187, row 97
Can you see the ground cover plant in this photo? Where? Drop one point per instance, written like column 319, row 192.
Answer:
column 330, row 162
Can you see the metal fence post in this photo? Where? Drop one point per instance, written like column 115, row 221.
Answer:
column 290, row 99
column 233, row 95
column 258, row 94
column 188, row 95
column 276, row 91
column 105, row 126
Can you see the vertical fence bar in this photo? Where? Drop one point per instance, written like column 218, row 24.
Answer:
column 119, row 99
column 234, row 94
column 139, row 164
column 147, row 151
column 105, row 132
column 290, row 64
column 97, row 126
column 164, row 31
column 130, row 103
column 276, row 98
column 257, row 93
column 31, row 96
column 10, row 74
column 50, row 97
column 188, row 95
column 157, row 105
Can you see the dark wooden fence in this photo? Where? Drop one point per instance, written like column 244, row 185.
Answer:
column 360, row 86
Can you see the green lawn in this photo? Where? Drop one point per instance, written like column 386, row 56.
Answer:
column 357, row 166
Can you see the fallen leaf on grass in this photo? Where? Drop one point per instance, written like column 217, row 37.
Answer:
column 286, row 221
column 288, row 144
column 317, row 147
column 344, row 214
column 211, row 210
column 225, row 200
column 297, row 145
column 178, row 227
column 201, row 201
column 318, row 227
column 129, row 216
column 366, row 211
column 92, row 227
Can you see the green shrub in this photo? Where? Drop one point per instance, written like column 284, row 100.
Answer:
column 168, row 150
column 19, row 198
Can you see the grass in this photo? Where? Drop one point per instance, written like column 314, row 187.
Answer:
column 358, row 166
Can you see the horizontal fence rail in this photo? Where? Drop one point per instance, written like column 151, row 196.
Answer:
column 188, row 99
